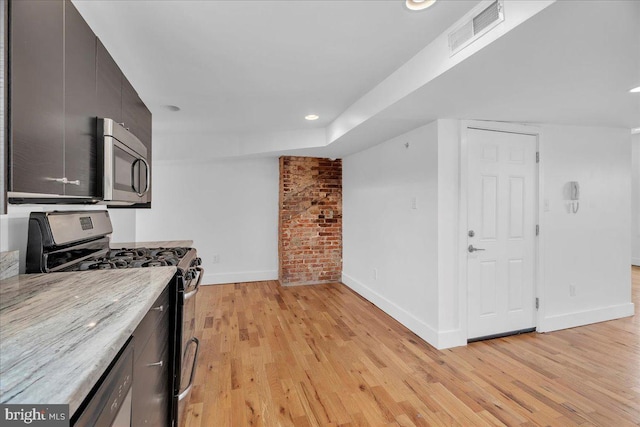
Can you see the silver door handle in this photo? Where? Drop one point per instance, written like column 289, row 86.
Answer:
column 471, row 249
column 195, row 289
column 185, row 392
column 160, row 363
column 158, row 308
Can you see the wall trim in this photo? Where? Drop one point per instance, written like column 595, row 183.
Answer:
column 586, row 317
column 635, row 261
column 239, row 277
column 439, row 340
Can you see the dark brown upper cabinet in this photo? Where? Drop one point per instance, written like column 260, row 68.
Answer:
column 37, row 97
column 108, row 85
column 62, row 79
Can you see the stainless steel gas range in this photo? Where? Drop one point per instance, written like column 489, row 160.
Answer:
column 79, row 240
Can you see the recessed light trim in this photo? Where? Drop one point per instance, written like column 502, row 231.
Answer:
column 173, row 108
column 311, row 117
column 419, row 4
column 635, row 90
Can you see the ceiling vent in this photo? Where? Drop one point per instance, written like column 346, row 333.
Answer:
column 481, row 23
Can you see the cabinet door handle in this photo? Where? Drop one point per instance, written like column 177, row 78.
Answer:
column 65, row 180
column 159, row 308
column 160, row 363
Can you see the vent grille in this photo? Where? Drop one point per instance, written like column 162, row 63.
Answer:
column 460, row 36
column 479, row 25
column 486, row 18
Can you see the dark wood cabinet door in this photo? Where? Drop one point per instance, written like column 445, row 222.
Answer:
column 80, row 104
column 36, row 96
column 108, row 85
column 135, row 113
column 152, row 393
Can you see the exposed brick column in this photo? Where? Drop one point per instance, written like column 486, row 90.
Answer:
column 310, row 220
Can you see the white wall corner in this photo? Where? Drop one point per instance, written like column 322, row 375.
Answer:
column 411, row 322
column 450, row 314
column 452, row 338
column 586, row 317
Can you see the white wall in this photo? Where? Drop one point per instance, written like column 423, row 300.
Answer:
column 124, row 225
column 14, row 226
column 382, row 231
column 635, row 200
column 227, row 207
column 415, row 251
column 451, row 304
column 590, row 249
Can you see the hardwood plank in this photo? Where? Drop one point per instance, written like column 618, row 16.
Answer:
column 323, row 356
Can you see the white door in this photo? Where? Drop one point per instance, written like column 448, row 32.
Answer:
column 501, row 252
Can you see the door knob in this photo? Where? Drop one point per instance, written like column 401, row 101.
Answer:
column 471, row 249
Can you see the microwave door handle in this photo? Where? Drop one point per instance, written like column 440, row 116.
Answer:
column 147, row 175
column 133, row 175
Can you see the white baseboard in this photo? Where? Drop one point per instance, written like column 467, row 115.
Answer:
column 581, row 318
column 439, row 340
column 243, row 276
column 635, row 261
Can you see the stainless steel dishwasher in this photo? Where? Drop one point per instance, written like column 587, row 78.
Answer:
column 110, row 403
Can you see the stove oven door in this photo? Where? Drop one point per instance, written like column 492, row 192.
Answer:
column 189, row 344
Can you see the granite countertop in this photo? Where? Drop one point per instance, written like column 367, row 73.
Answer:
column 60, row 331
column 158, row 244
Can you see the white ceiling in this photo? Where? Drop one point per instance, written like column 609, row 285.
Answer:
column 257, row 67
column 253, row 66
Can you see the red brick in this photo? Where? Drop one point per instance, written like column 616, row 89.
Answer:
column 310, row 220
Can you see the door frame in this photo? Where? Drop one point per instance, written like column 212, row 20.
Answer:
column 464, row 221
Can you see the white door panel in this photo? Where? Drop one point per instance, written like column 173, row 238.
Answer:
column 502, row 183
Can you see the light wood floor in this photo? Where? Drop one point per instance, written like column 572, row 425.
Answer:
column 321, row 355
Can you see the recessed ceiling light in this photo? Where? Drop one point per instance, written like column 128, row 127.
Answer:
column 311, row 117
column 635, row 90
column 419, row 4
column 173, row 108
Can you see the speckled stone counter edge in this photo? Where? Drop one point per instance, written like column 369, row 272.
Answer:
column 9, row 264
column 60, row 331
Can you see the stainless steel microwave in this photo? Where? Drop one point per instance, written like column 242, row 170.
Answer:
column 124, row 175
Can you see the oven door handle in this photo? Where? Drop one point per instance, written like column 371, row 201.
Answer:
column 185, row 392
column 195, row 289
